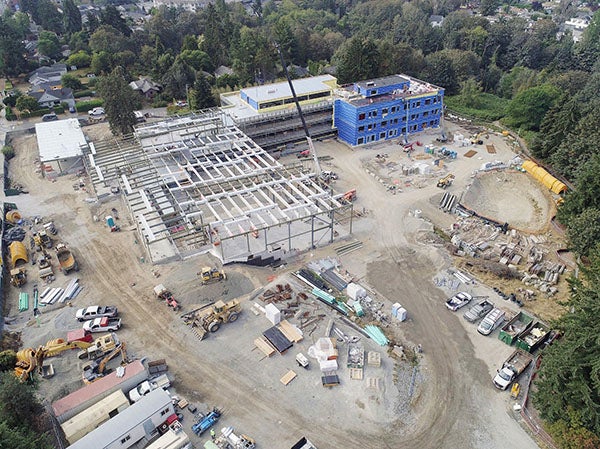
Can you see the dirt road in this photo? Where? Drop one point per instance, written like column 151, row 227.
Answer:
column 457, row 408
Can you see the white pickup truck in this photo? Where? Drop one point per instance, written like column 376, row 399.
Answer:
column 103, row 324
column 147, row 386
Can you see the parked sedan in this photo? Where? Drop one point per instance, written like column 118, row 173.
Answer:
column 459, row 300
column 478, row 311
column 89, row 313
column 96, row 112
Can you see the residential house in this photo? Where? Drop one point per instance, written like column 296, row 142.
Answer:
column 50, row 74
column 223, row 70
column 436, row 21
column 48, row 95
column 146, row 87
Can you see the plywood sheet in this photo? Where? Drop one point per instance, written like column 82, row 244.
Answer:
column 264, row 346
column 470, row 153
column 356, row 373
column 290, row 331
column 288, row 377
column 491, row 149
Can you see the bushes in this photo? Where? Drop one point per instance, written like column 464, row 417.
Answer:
column 83, row 106
column 84, row 93
column 9, row 114
column 9, row 153
column 489, row 107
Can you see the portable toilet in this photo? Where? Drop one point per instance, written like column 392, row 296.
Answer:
column 401, row 314
column 110, row 221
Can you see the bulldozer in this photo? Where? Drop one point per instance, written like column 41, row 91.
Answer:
column 95, row 369
column 209, row 275
column 210, row 317
column 18, row 276
column 446, row 181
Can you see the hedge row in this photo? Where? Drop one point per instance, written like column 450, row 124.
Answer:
column 83, row 106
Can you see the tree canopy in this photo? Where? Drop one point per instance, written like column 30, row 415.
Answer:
column 119, row 101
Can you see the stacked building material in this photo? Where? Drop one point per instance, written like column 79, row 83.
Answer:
column 23, row 301
column 377, row 335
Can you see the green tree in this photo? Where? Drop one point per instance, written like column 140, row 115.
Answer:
column 111, row 16
column 586, row 193
column 489, row 7
column 109, row 39
column 439, row 70
column 71, row 81
column 79, row 42
column 49, row 17
column 119, row 101
column 12, row 51
column 27, row 103
column 201, row 96
column 528, row 108
column 71, row 17
column 357, row 59
column 101, row 62
column 79, row 59
column 569, row 377
column 48, row 44
column 8, row 360
column 178, row 79
column 18, row 404
column 470, row 91
column 584, row 231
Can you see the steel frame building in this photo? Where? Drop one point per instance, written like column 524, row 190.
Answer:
column 386, row 108
column 195, row 184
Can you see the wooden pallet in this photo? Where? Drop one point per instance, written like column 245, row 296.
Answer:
column 374, row 359
column 356, row 373
column 266, row 347
column 288, row 377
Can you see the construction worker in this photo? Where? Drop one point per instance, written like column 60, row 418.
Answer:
column 212, row 434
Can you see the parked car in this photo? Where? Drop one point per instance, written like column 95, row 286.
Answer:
column 459, row 300
column 89, row 313
column 72, row 109
column 96, row 112
column 49, row 117
column 478, row 311
column 147, row 386
column 491, row 321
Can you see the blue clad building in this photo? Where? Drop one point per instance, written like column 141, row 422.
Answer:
column 386, row 108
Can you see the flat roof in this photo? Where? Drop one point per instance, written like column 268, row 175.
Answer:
column 382, row 82
column 303, row 86
column 60, row 139
column 115, row 428
column 95, row 389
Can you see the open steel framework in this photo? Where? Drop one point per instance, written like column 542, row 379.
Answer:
column 201, row 185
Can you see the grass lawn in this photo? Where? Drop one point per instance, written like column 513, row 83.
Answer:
column 487, row 107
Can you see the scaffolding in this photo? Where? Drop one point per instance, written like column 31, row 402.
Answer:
column 200, row 184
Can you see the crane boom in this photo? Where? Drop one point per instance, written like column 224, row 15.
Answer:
column 308, row 138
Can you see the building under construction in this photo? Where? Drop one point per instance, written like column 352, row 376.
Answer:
column 267, row 113
column 197, row 183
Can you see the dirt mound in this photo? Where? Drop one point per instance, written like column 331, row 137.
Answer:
column 511, row 197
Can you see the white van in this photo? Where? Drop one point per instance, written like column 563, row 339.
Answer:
column 491, row 321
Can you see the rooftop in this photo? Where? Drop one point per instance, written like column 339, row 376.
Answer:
column 60, row 139
column 95, row 389
column 118, row 426
column 382, row 82
column 303, row 86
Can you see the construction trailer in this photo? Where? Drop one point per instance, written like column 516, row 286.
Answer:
column 85, row 397
column 85, row 422
column 134, row 424
column 197, row 184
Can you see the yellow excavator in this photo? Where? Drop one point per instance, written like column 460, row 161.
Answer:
column 446, row 181
column 29, row 359
column 95, row 370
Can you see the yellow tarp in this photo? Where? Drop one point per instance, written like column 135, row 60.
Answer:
column 545, row 178
column 17, row 252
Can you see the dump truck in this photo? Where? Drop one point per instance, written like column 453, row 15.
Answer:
column 210, row 317
column 512, row 368
column 511, row 331
column 532, row 339
column 209, row 275
column 18, row 276
column 66, row 259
